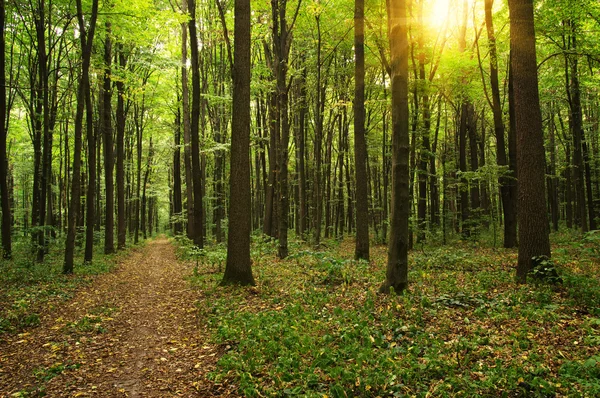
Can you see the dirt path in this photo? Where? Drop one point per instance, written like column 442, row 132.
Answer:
column 131, row 333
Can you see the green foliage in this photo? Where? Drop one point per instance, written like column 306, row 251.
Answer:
column 315, row 326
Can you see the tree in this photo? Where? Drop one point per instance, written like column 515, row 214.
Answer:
column 238, row 268
column 396, row 276
column 360, row 144
column 86, row 37
column 6, row 214
column 106, row 117
column 198, row 237
column 533, row 221
column 505, row 181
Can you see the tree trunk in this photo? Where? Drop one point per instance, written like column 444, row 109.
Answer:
column 504, row 180
column 109, row 227
column 238, row 266
column 198, row 237
column 86, row 38
column 361, row 250
column 120, row 116
column 533, row 222
column 397, row 264
column 5, row 198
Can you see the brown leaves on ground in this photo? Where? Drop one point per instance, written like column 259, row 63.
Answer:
column 132, row 333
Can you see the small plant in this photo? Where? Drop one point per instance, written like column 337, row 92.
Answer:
column 544, row 270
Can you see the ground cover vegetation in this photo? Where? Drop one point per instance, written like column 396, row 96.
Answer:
column 324, row 152
column 315, row 324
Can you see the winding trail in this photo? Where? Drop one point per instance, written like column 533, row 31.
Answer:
column 133, row 332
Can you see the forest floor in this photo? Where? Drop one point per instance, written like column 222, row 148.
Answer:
column 157, row 324
column 134, row 332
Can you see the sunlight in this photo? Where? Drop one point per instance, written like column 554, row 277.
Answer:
column 438, row 13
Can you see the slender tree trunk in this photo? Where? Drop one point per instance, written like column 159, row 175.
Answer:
column 120, row 119
column 4, row 192
column 177, row 202
column 397, row 264
column 533, row 222
column 86, row 38
column 109, row 161
column 198, row 237
column 185, row 104
column 504, row 180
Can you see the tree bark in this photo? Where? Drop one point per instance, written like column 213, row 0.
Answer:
column 397, row 264
column 238, row 268
column 5, row 198
column 109, row 161
column 198, row 237
column 120, row 116
column 361, row 250
column 533, row 221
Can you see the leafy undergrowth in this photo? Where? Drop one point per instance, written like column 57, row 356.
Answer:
column 315, row 326
column 28, row 289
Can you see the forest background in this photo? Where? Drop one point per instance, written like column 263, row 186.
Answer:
column 118, row 125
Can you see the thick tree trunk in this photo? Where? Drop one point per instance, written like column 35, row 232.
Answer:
column 533, row 221
column 397, row 264
column 238, row 267
column 361, row 250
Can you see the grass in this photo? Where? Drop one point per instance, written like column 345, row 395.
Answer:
column 28, row 288
column 315, row 326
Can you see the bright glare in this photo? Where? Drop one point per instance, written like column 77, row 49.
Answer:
column 438, row 13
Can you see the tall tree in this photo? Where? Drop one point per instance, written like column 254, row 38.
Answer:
column 360, row 144
column 396, row 276
column 6, row 214
column 86, row 37
column 120, row 125
column 533, row 221
column 198, row 237
column 107, row 132
column 505, row 181
column 238, row 268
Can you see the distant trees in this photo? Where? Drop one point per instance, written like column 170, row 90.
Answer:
column 157, row 132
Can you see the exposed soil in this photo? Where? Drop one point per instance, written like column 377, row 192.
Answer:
column 133, row 332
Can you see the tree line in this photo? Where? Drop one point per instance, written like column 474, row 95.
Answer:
column 387, row 121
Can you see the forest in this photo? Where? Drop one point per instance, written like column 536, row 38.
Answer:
column 300, row 197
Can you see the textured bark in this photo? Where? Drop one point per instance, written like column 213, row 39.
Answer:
column 4, row 191
column 120, row 116
column 107, row 132
column 361, row 250
column 185, row 104
column 238, row 268
column 397, row 264
column 533, row 221
column 198, row 237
